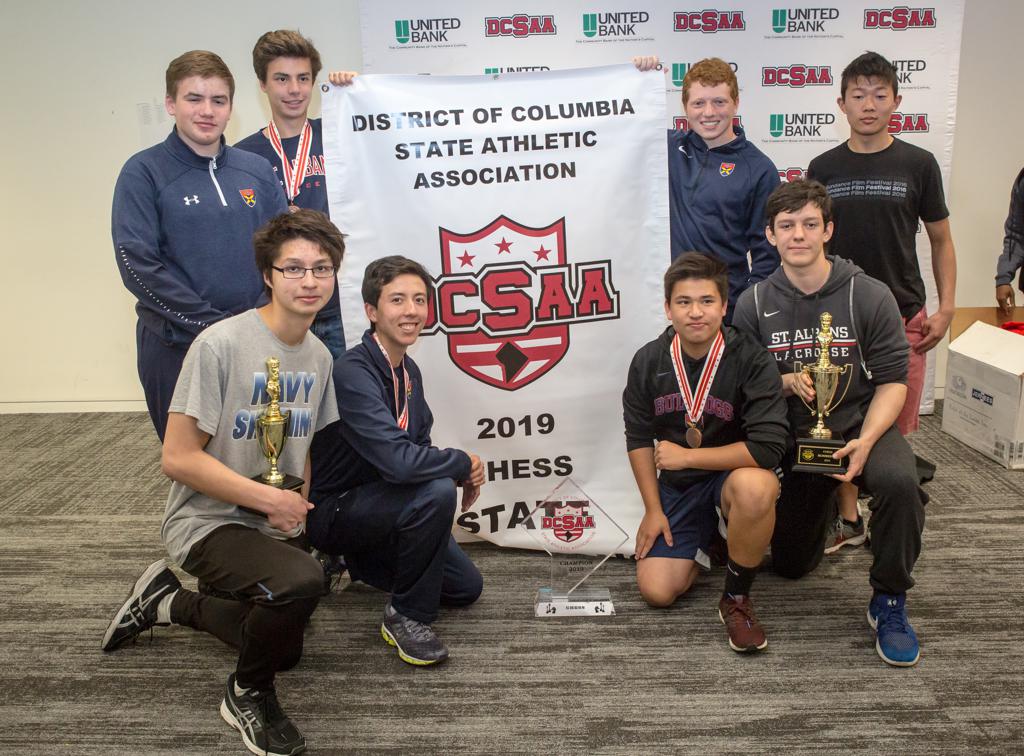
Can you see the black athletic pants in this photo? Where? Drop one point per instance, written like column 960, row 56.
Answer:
column 280, row 585
column 806, row 508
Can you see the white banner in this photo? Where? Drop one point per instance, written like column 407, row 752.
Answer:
column 538, row 202
column 788, row 59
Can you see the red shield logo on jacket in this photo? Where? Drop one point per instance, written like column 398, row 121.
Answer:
column 726, row 168
column 249, row 196
column 489, row 292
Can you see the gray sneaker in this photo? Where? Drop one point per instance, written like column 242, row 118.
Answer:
column 138, row 612
column 845, row 534
column 416, row 641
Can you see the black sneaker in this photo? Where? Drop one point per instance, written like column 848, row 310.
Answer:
column 138, row 612
column 416, row 641
column 333, row 566
column 265, row 728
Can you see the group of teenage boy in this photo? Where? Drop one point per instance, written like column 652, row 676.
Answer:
column 710, row 417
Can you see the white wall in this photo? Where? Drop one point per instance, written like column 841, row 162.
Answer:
column 77, row 72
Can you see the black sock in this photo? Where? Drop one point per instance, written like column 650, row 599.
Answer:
column 738, row 579
column 854, row 523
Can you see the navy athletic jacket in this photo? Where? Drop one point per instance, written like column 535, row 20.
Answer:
column 366, row 444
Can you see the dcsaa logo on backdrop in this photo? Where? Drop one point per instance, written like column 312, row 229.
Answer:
column 804, row 22
column 797, row 75
column 619, row 26
column 899, row 18
column 683, row 123
column 908, row 123
column 519, row 25
column 792, row 174
column 507, row 296
column 708, row 21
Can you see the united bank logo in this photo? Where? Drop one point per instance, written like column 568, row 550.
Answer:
column 683, row 123
column 679, row 72
column 495, row 70
column 798, row 125
column 507, row 296
column 519, row 25
column 613, row 25
column 899, row 18
column 802, row 20
column 708, row 21
column 908, row 123
column 906, row 69
column 797, row 75
column 420, row 30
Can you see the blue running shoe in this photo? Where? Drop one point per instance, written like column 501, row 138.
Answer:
column 896, row 640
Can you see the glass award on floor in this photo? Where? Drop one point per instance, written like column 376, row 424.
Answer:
column 579, row 537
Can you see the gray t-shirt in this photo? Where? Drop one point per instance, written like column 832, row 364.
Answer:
column 222, row 385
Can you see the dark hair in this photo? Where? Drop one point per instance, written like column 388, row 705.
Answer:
column 201, row 63
column 790, row 197
column 870, row 65
column 310, row 225
column 697, row 265
column 283, row 43
column 711, row 72
column 384, row 270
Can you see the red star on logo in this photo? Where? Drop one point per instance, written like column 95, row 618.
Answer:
column 542, row 254
column 504, row 246
column 466, row 259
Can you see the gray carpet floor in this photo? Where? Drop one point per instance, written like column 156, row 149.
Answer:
column 82, row 502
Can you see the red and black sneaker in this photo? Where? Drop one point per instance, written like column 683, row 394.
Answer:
column 745, row 632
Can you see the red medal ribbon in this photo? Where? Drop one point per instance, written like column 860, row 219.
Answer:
column 402, row 415
column 292, row 179
column 694, row 402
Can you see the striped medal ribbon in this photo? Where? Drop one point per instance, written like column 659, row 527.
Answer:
column 292, row 179
column 402, row 415
column 694, row 402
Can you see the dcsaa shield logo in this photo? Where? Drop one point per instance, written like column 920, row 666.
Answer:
column 507, row 296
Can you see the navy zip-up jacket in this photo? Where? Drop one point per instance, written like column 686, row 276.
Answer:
column 716, row 202
column 182, row 226
column 366, row 444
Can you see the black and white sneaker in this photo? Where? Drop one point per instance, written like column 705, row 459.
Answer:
column 416, row 642
column 265, row 727
column 138, row 612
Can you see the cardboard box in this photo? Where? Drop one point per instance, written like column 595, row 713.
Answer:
column 984, row 400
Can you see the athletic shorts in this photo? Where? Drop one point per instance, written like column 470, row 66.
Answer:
column 693, row 516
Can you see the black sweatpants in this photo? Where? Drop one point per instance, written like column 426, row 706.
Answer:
column 806, row 508
column 280, row 585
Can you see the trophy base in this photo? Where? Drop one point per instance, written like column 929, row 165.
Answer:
column 290, row 482
column 814, row 455
column 583, row 602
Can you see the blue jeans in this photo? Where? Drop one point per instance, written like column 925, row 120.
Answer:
column 331, row 331
column 397, row 537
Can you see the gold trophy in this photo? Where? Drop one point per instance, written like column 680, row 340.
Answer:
column 814, row 452
column 272, row 432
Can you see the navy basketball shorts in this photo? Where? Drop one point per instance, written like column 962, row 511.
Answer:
column 693, row 516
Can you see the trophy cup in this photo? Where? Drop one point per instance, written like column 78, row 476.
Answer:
column 565, row 524
column 814, row 452
column 271, row 432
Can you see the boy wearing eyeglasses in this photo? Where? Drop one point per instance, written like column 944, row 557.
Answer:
column 241, row 538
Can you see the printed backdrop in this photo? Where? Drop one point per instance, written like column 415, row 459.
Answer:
column 788, row 60
column 538, row 203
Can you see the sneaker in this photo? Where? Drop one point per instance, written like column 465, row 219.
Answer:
column 265, row 728
column 845, row 534
column 745, row 632
column 333, row 566
column 896, row 640
column 416, row 641
column 138, row 612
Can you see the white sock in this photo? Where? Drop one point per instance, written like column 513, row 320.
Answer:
column 163, row 609
column 239, row 691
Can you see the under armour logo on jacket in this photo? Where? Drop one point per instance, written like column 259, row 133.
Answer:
column 193, row 200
